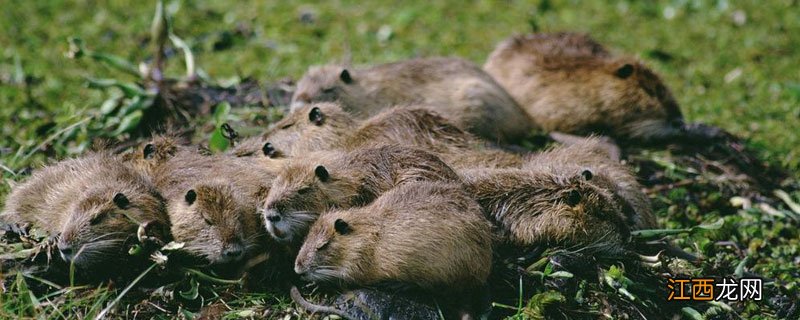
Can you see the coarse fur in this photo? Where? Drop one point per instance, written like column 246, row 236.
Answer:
column 411, row 126
column 441, row 245
column 95, row 204
column 213, row 205
column 591, row 154
column 573, row 196
column 321, row 181
column 569, row 83
column 453, row 87
column 147, row 156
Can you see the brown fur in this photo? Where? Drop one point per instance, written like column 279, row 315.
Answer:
column 221, row 223
column 74, row 199
column 299, row 193
column 455, row 88
column 570, row 83
column 409, row 126
column 568, row 196
column 427, row 235
column 147, row 156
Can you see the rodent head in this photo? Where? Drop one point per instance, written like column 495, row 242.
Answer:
column 300, row 194
column 104, row 223
column 336, row 246
column 311, row 127
column 593, row 208
column 652, row 110
column 153, row 153
column 210, row 220
column 329, row 83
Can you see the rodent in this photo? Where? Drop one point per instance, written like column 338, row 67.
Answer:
column 96, row 204
column 310, row 185
column 453, row 87
column 325, row 126
column 568, row 82
column 159, row 148
column 422, row 235
column 592, row 153
column 212, row 203
column 566, row 196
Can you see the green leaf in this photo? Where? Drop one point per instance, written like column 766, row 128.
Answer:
column 652, row 233
column 218, row 143
column 221, row 113
column 193, row 292
column 561, row 274
column 128, row 123
column 692, row 313
column 115, row 62
column 537, row 304
column 739, row 271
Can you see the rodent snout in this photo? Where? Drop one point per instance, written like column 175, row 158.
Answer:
column 66, row 251
column 233, row 252
column 272, row 216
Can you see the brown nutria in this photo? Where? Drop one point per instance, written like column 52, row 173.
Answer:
column 325, row 126
column 568, row 196
column 457, row 89
column 591, row 153
column 320, row 181
column 424, row 235
column 212, row 203
column 569, row 83
column 96, row 204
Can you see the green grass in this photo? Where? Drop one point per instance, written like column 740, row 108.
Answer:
column 738, row 74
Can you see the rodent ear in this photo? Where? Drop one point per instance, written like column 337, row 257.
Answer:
column 573, row 198
column 190, row 197
column 624, row 71
column 315, row 116
column 121, row 201
column 341, row 227
column 322, row 173
column 587, row 174
column 345, row 76
column 149, row 151
column 269, row 150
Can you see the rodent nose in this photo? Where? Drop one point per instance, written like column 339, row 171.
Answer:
column 233, row 252
column 273, row 217
column 299, row 268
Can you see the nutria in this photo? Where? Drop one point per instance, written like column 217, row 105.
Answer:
column 455, row 88
column 409, row 125
column 568, row 82
column 423, row 235
column 212, row 203
column 591, row 153
column 320, row 181
column 96, row 205
column 567, row 196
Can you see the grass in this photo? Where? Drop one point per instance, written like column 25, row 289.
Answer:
column 731, row 64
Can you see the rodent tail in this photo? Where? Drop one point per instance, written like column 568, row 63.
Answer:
column 315, row 308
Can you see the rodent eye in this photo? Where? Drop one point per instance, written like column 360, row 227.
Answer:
column 324, row 246
column 287, row 126
column 328, row 90
column 207, row 220
column 304, row 191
